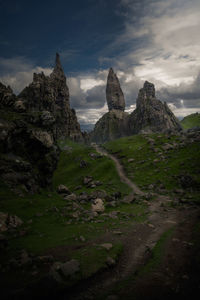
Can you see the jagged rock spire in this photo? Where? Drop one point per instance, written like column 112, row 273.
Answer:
column 114, row 94
column 149, row 89
column 58, row 70
column 151, row 115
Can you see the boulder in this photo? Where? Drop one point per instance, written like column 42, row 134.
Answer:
column 62, row 189
column 98, row 206
column 107, row 246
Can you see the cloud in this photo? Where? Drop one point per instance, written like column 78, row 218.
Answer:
column 88, row 91
column 18, row 72
column 160, row 44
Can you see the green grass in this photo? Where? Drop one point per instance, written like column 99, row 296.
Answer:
column 145, row 171
column 102, row 169
column 51, row 229
column 157, row 253
column 191, row 121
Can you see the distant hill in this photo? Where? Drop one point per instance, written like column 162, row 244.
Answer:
column 190, row 121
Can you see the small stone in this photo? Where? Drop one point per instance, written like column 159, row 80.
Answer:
column 69, row 268
column 62, row 189
column 117, row 232
column 82, row 238
column 110, row 261
column 71, row 197
column 107, row 246
column 98, row 205
column 151, row 225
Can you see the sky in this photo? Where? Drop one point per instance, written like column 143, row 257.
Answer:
column 154, row 40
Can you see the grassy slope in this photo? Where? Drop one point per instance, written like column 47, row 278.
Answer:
column 190, row 121
column 144, row 170
column 52, row 229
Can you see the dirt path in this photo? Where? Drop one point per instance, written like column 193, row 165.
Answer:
column 120, row 171
column 138, row 241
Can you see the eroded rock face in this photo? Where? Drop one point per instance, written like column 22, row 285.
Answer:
column 113, row 124
column 51, row 93
column 114, row 94
column 151, row 115
column 30, row 125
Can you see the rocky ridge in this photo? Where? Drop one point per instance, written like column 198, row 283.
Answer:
column 150, row 115
column 30, row 125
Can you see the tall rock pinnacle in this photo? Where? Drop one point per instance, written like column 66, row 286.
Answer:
column 58, row 70
column 114, row 94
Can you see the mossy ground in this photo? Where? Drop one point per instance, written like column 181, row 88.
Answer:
column 191, row 121
column 46, row 215
column 161, row 167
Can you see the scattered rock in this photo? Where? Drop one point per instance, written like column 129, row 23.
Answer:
column 62, row 189
column 110, row 261
column 61, row 272
column 69, row 268
column 71, row 197
column 87, row 180
column 82, row 238
column 7, row 222
column 3, row 222
column 98, row 206
column 83, row 164
column 129, row 199
column 107, row 246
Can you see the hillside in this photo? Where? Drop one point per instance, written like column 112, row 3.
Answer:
column 67, row 236
column 191, row 121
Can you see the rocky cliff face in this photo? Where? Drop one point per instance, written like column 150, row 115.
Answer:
column 113, row 124
column 151, row 115
column 51, row 93
column 30, row 125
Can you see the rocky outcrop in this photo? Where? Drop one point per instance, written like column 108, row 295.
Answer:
column 151, row 115
column 113, row 124
column 114, row 94
column 30, row 125
column 51, row 94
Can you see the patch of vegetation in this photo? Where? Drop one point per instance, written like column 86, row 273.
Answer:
column 157, row 253
column 102, row 169
column 146, row 164
column 47, row 218
column 191, row 121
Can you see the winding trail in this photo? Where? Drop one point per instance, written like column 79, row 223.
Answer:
column 120, row 171
column 138, row 240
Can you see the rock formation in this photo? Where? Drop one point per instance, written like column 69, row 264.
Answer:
column 30, row 125
column 114, row 94
column 51, row 93
column 114, row 123
column 151, row 115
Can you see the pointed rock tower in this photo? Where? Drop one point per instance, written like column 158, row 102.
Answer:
column 151, row 115
column 114, row 94
column 51, row 94
column 114, row 123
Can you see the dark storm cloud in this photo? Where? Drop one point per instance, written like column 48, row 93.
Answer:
column 187, row 94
